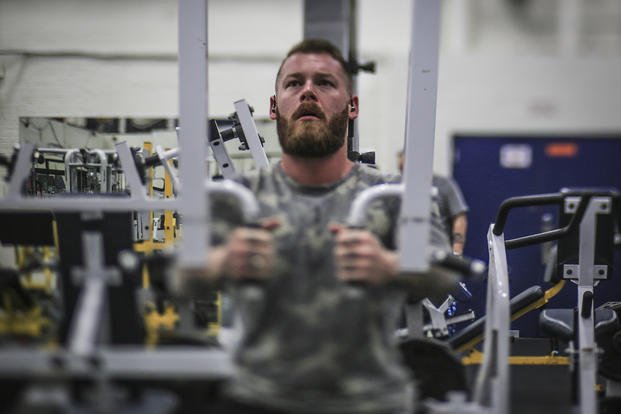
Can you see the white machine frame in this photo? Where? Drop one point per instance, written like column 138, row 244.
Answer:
column 414, row 223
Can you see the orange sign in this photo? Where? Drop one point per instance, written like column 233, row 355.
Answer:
column 562, row 149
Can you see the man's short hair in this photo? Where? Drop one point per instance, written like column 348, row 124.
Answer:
column 319, row 46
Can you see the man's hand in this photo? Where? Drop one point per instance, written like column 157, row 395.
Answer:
column 247, row 255
column 360, row 257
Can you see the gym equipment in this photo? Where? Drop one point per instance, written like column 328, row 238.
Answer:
column 101, row 365
column 493, row 383
column 436, row 369
column 242, row 128
column 585, row 257
column 106, row 277
column 585, row 240
column 609, row 341
column 102, row 368
column 473, row 172
column 414, row 227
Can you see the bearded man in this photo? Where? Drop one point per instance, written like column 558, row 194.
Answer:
column 308, row 345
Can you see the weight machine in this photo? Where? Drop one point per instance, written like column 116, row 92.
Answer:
column 491, row 393
column 585, row 257
column 84, row 356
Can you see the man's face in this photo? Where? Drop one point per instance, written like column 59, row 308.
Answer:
column 312, row 105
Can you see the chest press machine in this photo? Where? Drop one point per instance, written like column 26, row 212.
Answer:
column 88, row 355
column 421, row 263
column 491, row 393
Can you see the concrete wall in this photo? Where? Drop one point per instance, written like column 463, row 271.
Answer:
column 503, row 68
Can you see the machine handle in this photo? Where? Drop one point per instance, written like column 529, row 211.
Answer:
column 535, row 200
column 587, row 304
column 152, row 160
column 522, row 201
column 472, row 269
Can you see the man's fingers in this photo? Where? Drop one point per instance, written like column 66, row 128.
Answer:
column 336, row 228
column 251, row 265
column 257, row 236
column 357, row 263
column 355, row 274
column 355, row 236
column 251, row 252
column 359, row 256
column 257, row 261
column 270, row 223
column 251, row 237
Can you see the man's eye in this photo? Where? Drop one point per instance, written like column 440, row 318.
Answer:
column 292, row 83
column 325, row 82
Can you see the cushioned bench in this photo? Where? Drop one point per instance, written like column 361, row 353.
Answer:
column 560, row 323
column 473, row 333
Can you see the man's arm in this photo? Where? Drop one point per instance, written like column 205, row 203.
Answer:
column 457, row 210
column 460, row 225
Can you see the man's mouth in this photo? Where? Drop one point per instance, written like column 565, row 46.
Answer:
column 308, row 113
column 308, row 118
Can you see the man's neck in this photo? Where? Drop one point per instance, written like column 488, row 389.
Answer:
column 317, row 171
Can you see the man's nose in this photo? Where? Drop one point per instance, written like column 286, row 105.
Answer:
column 308, row 92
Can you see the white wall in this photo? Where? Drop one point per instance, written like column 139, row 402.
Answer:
column 71, row 58
column 500, row 70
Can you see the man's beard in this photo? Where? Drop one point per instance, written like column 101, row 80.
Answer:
column 312, row 139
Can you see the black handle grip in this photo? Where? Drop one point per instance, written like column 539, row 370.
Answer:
column 152, row 160
column 587, row 304
column 523, row 201
column 535, row 200
column 5, row 161
column 468, row 268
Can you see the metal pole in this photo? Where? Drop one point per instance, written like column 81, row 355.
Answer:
column 587, row 347
column 335, row 21
column 193, row 132
column 252, row 135
column 419, row 135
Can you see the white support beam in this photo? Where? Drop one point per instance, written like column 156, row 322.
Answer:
column 419, row 136
column 193, row 137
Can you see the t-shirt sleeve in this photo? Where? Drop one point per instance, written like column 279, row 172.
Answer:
column 453, row 196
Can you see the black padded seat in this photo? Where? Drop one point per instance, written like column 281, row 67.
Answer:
column 606, row 320
column 476, row 328
column 559, row 323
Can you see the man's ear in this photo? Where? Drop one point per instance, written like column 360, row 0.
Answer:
column 273, row 107
column 353, row 107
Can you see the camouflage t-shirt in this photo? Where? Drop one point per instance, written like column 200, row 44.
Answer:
column 309, row 345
